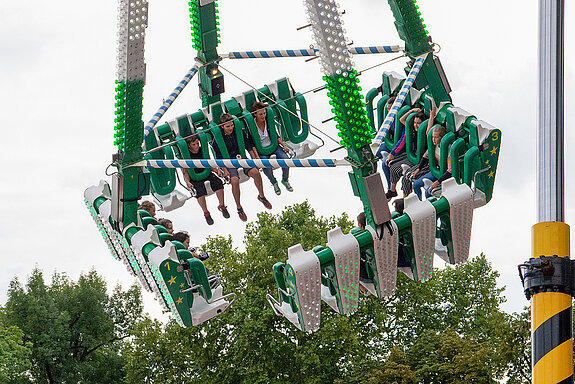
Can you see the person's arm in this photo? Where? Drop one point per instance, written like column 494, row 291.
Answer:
column 250, row 147
column 445, row 176
column 187, row 178
column 422, row 163
column 403, row 118
column 217, row 151
column 431, row 120
column 399, row 146
column 283, row 145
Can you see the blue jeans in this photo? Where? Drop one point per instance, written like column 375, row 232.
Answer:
column 418, row 184
column 280, row 154
column 384, row 167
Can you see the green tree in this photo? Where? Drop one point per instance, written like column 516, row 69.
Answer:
column 74, row 328
column 14, row 355
column 456, row 315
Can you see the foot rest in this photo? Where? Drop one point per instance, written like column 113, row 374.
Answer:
column 423, row 225
column 385, row 250
column 203, row 310
column 460, row 198
column 303, row 284
column 173, row 200
column 305, row 149
column 345, row 249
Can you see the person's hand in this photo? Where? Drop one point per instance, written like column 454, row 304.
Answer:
column 390, row 157
column 414, row 174
column 416, row 110
column 219, row 172
column 225, row 172
column 434, row 185
column 190, row 185
column 285, row 148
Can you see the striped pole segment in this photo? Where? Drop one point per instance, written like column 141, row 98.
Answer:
column 244, row 163
column 376, row 49
column 310, row 52
column 168, row 102
column 389, row 119
column 551, row 313
column 551, row 335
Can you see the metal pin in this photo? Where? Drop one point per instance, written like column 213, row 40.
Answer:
column 325, row 121
column 313, row 58
column 303, row 27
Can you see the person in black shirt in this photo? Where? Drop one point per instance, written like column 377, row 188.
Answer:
column 199, row 185
column 232, row 146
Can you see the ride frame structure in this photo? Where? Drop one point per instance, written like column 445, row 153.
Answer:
column 341, row 81
column 548, row 277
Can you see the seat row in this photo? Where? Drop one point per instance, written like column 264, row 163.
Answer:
column 471, row 144
column 287, row 113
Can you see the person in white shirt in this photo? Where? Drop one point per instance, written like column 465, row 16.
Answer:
column 281, row 152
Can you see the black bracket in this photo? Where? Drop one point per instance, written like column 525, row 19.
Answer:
column 547, row 274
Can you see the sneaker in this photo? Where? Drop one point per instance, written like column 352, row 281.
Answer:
column 277, row 189
column 389, row 194
column 242, row 214
column 265, row 202
column 287, row 185
column 208, row 218
column 224, row 210
column 204, row 256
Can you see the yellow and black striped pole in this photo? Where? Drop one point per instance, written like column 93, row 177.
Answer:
column 551, row 313
column 549, row 280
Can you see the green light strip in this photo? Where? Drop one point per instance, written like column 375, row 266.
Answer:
column 349, row 109
column 196, row 26
column 101, row 229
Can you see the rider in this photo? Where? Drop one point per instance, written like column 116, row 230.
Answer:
column 233, row 148
column 260, row 118
column 199, row 185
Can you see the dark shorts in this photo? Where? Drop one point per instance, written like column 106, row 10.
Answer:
column 215, row 182
column 234, row 172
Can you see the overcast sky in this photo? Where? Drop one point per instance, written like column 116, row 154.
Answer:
column 57, row 72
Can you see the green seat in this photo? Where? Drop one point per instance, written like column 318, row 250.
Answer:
column 163, row 180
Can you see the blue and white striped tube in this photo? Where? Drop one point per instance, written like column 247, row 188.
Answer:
column 399, row 100
column 270, row 54
column 376, row 49
column 310, row 52
column 243, row 163
column 168, row 102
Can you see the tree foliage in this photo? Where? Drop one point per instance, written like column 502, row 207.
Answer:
column 14, row 355
column 449, row 329
column 73, row 328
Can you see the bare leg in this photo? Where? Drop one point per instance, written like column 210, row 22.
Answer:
column 202, row 202
column 220, row 195
column 255, row 174
column 235, row 181
column 392, row 187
